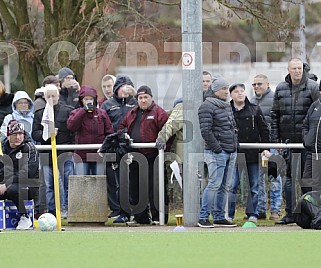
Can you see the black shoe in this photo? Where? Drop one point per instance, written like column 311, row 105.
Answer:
column 262, row 216
column 205, row 224
column 224, row 223
column 287, row 219
column 142, row 220
column 114, row 214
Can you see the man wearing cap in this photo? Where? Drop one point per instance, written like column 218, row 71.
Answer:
column 252, row 127
column 19, row 162
column 218, row 130
column 143, row 124
column 69, row 87
column 116, row 108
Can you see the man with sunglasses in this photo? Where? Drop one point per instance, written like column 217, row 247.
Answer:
column 263, row 97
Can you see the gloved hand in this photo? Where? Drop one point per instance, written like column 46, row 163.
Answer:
column 160, row 143
column 89, row 108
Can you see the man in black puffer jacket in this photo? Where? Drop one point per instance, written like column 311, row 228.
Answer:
column 292, row 99
column 116, row 108
column 218, row 130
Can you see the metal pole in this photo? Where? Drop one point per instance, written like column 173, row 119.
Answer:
column 302, row 32
column 161, row 187
column 191, row 17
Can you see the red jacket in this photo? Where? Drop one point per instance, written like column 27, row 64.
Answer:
column 90, row 128
column 151, row 123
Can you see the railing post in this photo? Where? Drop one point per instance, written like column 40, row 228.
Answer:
column 161, row 187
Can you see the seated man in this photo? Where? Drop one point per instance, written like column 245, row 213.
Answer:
column 18, row 162
column 307, row 213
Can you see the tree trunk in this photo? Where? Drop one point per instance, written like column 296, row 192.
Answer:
column 29, row 75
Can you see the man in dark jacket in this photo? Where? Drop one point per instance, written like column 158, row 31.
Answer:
column 5, row 102
column 263, row 97
column 65, row 159
column 218, row 130
column 20, row 162
column 143, row 124
column 311, row 132
column 252, row 127
column 292, row 99
column 116, row 108
column 69, row 87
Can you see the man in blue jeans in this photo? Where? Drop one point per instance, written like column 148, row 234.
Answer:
column 219, row 133
column 263, row 97
column 65, row 159
column 252, row 127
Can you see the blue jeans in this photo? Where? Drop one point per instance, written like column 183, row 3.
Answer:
column 275, row 193
column 90, row 168
column 220, row 173
column 275, row 190
column 252, row 172
column 66, row 167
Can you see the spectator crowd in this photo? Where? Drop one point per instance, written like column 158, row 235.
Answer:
column 227, row 117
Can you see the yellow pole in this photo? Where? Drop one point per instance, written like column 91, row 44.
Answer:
column 56, row 179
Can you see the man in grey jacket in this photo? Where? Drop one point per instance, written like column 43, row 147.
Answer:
column 218, row 130
column 264, row 98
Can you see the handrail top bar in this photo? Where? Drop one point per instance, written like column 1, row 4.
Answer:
column 152, row 145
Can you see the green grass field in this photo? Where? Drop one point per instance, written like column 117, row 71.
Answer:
column 160, row 249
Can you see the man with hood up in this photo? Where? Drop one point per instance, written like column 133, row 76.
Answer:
column 90, row 125
column 22, row 111
column 116, row 108
column 291, row 102
column 107, row 86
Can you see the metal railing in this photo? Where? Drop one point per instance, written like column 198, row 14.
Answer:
column 161, row 160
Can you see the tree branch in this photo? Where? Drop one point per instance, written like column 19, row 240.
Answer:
column 9, row 20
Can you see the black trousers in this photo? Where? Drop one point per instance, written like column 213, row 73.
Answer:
column 112, row 187
column 144, row 189
column 311, row 179
column 17, row 196
column 307, row 213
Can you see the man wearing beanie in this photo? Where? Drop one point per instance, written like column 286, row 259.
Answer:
column 116, row 108
column 25, row 164
column 143, row 124
column 218, row 130
column 69, row 87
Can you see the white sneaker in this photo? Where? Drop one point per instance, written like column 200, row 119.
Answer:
column 24, row 223
column 252, row 219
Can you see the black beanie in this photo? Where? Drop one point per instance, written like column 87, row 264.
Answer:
column 144, row 90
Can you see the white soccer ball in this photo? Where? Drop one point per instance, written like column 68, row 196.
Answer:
column 47, row 222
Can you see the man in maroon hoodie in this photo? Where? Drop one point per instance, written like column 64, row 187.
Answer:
column 143, row 124
column 90, row 125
